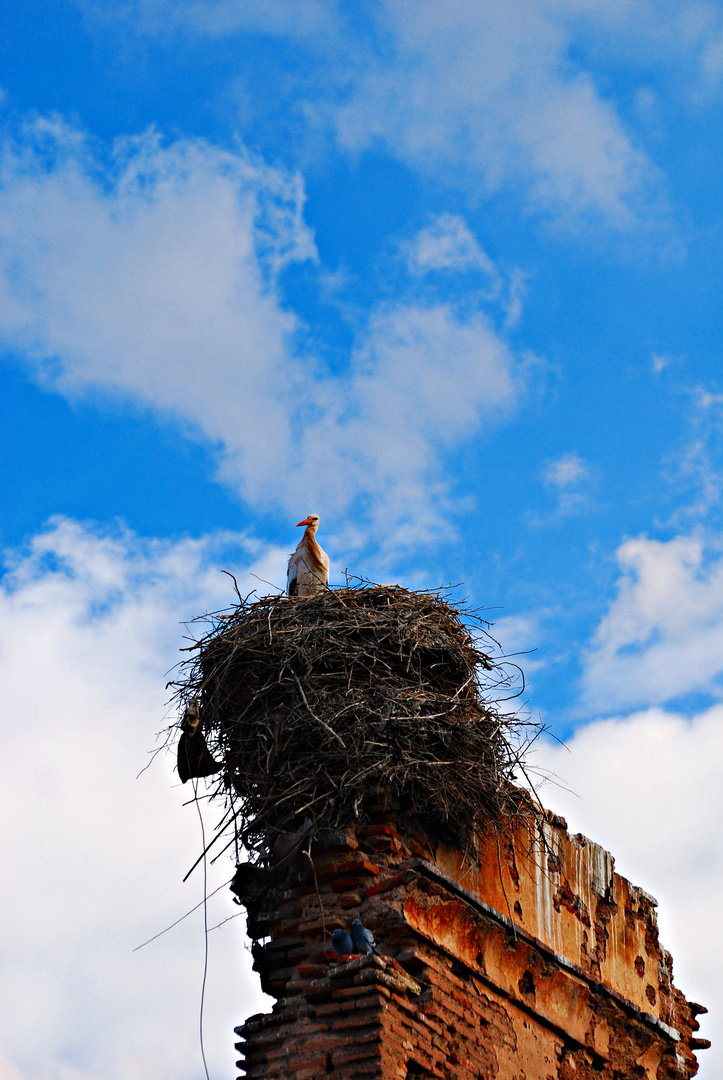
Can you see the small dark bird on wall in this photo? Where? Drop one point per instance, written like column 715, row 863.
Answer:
column 342, row 943
column 362, row 938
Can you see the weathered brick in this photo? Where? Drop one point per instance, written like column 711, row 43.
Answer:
column 384, row 885
column 308, row 1070
column 347, row 901
column 458, row 1016
column 344, row 884
column 360, row 866
column 358, row 992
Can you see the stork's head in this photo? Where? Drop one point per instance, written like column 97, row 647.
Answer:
column 312, row 520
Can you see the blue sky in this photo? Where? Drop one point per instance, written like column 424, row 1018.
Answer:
column 447, row 275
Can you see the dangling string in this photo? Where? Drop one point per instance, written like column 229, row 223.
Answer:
column 205, row 930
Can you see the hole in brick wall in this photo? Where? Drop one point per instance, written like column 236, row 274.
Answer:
column 415, row 1069
column 329, row 1064
column 569, row 1046
column 527, row 984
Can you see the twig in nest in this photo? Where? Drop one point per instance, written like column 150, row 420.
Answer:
column 311, row 712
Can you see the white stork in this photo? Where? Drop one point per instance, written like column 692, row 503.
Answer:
column 308, row 569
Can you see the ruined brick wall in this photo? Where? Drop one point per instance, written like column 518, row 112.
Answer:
column 532, row 960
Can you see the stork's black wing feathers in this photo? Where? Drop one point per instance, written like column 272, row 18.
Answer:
column 194, row 757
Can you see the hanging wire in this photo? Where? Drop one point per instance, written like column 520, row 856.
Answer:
column 205, row 934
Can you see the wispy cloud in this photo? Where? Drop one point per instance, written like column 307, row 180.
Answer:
column 569, row 478
column 566, row 472
column 298, row 19
column 695, row 469
column 446, row 247
column 519, row 636
column 424, row 379
column 661, row 361
column 447, row 243
column 478, row 96
column 152, row 273
column 481, row 97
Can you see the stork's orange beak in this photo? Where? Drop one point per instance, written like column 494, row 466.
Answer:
column 306, row 521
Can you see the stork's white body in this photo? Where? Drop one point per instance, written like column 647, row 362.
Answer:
column 308, row 569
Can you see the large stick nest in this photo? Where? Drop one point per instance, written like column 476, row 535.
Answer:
column 314, row 704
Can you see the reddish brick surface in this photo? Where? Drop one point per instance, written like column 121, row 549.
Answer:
column 581, row 990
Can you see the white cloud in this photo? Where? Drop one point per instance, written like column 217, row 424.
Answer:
column 447, row 243
column 478, row 95
column 519, row 636
column 482, row 95
column 292, row 18
column 448, row 246
column 485, row 96
column 423, row 380
column 150, row 272
column 569, row 478
column 661, row 361
column 93, row 858
column 662, row 636
column 694, row 467
column 681, row 36
column 8, row 1071
column 567, row 471
column 154, row 280
column 712, row 58
column 647, row 787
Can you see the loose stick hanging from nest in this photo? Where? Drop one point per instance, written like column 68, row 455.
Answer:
column 314, row 704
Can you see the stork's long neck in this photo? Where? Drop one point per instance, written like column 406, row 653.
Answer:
column 312, row 546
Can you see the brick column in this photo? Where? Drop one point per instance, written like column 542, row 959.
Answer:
column 569, row 981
